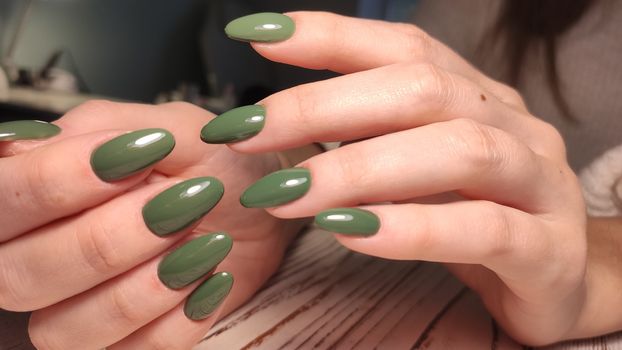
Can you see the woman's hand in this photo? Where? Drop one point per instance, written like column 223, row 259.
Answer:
column 82, row 253
column 470, row 177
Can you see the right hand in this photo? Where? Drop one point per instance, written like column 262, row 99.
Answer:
column 75, row 249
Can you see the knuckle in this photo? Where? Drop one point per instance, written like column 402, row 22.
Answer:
column 500, row 241
column 95, row 108
column 354, row 171
column 422, row 237
column 305, row 109
column 44, row 185
column 431, row 84
column 554, row 139
column 97, row 248
column 417, row 42
column 122, row 309
column 478, row 144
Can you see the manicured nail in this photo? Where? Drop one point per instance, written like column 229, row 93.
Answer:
column 27, row 130
column 182, row 205
column 261, row 27
column 278, row 188
column 208, row 296
column 194, row 260
column 349, row 221
column 130, row 153
column 235, row 125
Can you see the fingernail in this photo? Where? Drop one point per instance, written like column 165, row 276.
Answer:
column 208, row 296
column 280, row 187
column 27, row 130
column 194, row 260
column 349, row 221
column 235, row 125
column 180, row 206
column 130, row 153
column 261, row 27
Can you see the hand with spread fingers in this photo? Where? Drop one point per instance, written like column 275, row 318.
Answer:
column 441, row 164
column 105, row 234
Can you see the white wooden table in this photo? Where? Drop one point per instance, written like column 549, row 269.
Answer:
column 325, row 297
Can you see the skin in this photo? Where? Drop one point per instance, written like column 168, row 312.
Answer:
column 518, row 233
column 103, row 289
column 431, row 126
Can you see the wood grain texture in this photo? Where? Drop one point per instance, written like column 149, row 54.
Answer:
column 325, row 297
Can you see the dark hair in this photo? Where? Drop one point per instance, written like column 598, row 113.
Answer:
column 524, row 24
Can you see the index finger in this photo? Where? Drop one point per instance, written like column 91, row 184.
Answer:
column 346, row 44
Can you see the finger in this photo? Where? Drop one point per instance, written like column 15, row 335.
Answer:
column 121, row 305
column 65, row 177
column 367, row 104
column 346, row 44
column 76, row 254
column 506, row 240
column 183, row 120
column 175, row 330
column 475, row 160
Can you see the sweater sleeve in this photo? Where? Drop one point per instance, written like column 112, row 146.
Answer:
column 602, row 184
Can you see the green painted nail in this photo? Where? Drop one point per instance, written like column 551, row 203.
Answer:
column 194, row 260
column 208, row 296
column 27, row 130
column 349, row 221
column 280, row 187
column 182, row 205
column 130, row 153
column 235, row 125
column 262, row 27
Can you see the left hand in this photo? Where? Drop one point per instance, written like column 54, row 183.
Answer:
column 428, row 123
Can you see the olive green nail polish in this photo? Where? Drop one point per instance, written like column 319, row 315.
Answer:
column 349, row 221
column 280, row 187
column 208, row 296
column 180, row 206
column 27, row 130
column 194, row 260
column 130, row 153
column 235, row 125
column 261, row 27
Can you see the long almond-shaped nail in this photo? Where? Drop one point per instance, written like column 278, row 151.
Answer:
column 128, row 154
column 235, row 125
column 27, row 130
column 261, row 27
column 349, row 221
column 208, row 296
column 194, row 260
column 278, row 188
column 181, row 205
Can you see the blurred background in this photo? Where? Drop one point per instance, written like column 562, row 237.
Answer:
column 55, row 54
